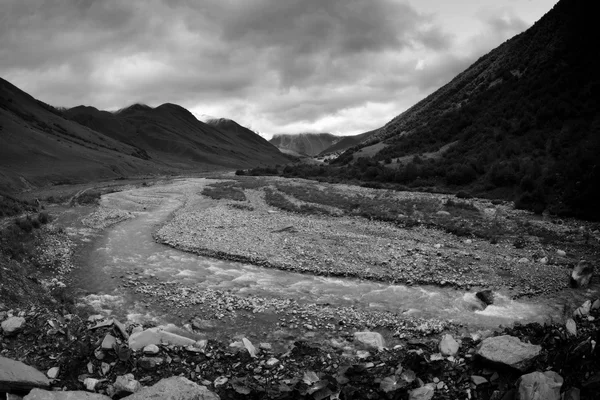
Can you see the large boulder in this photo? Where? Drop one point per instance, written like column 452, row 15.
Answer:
column 540, row 386
column 126, row 384
column 39, row 394
column 508, row 350
column 158, row 335
column 582, row 274
column 422, row 393
column 370, row 339
column 12, row 325
column 174, row 388
column 18, row 377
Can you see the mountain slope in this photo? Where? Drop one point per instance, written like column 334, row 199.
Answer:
column 523, row 121
column 347, row 142
column 38, row 146
column 310, row 144
column 171, row 134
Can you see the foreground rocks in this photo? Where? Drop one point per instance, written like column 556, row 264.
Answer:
column 509, row 351
column 538, row 385
column 16, row 376
column 174, row 388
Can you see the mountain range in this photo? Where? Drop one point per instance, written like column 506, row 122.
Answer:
column 43, row 145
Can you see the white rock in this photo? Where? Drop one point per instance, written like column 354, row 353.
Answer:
column 584, row 310
column 271, row 362
column 39, row 394
column 422, row 393
column 108, row 342
column 537, row 385
column 90, row 383
column 12, row 325
column 151, row 349
column 53, row 372
column 571, row 327
column 561, row 253
column 126, row 384
column 174, row 388
column 158, row 335
column 508, row 350
column 18, row 377
column 371, row 339
column 448, row 346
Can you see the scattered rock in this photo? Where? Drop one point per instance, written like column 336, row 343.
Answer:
column 108, row 342
column 508, row 350
column 478, row 380
column 149, row 363
column 596, row 305
column 13, row 325
column 271, row 362
column 571, row 327
column 157, row 335
column 523, row 260
column 538, row 385
column 90, row 384
column 443, row 213
column 151, row 349
column 487, row 296
column 16, row 376
column 370, row 339
column 583, row 310
column 448, row 346
column 126, row 384
column 39, row 394
column 121, row 327
column 582, row 274
column 53, row 372
column 561, row 253
column 422, row 393
column 174, row 388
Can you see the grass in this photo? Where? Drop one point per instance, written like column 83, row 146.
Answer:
column 17, row 240
column 224, row 191
column 9, row 206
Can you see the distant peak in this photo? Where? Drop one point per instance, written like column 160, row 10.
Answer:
column 133, row 108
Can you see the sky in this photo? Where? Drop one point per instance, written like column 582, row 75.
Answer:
column 275, row 66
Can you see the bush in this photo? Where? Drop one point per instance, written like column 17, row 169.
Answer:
column 25, row 224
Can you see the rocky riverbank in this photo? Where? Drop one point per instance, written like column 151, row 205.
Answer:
column 98, row 354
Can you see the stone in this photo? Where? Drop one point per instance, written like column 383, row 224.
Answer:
column 443, row 213
column 265, row 346
column 151, row 349
column 596, row 304
column 448, row 346
column 105, row 368
column 508, row 350
column 90, row 383
column 561, row 253
column 122, row 330
column 582, row 274
column 12, row 325
column 487, row 296
column 538, row 385
column 523, row 260
column 370, row 339
column 39, row 394
column 174, row 388
column 572, row 394
column 422, row 393
column 583, row 310
column 478, row 380
column 17, row 377
column 125, row 384
column 158, row 335
column 271, row 362
column 53, row 372
column 149, row 363
column 571, row 327
column 108, row 342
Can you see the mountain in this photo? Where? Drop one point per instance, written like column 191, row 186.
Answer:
column 522, row 123
column 39, row 146
column 171, row 134
column 347, row 142
column 309, row 144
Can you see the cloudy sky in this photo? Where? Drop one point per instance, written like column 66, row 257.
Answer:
column 276, row 66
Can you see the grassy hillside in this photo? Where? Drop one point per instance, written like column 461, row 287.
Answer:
column 309, row 144
column 521, row 123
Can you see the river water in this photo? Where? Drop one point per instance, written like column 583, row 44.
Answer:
column 129, row 246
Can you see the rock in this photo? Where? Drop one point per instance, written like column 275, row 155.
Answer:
column 422, row 393
column 174, row 388
column 53, row 372
column 265, row 346
column 478, row 380
column 443, row 213
column 13, row 325
column 151, row 349
column 596, row 304
column 39, row 394
column 121, row 328
column 487, row 296
column 448, row 346
column 108, row 342
column 523, row 260
column 125, row 384
column 371, row 339
column 583, row 310
column 508, row 350
column 543, row 260
column 571, row 394
column 157, row 335
column 537, row 385
column 271, row 362
column 582, row 274
column 105, row 368
column 16, row 376
column 571, row 327
column 149, row 363
column 561, row 253
column 90, row 383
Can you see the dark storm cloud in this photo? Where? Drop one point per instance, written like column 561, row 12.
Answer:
column 278, row 60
